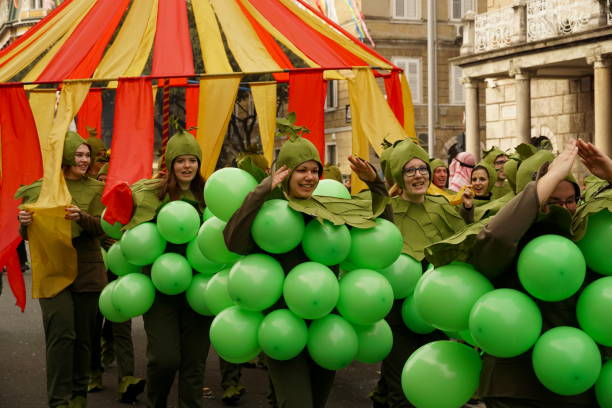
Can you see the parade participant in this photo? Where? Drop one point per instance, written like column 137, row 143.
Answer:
column 481, row 179
column 497, row 158
column 69, row 313
column 422, row 220
column 177, row 336
column 300, row 382
column 440, row 173
column 332, row 172
column 98, row 153
column 543, row 206
column 460, row 170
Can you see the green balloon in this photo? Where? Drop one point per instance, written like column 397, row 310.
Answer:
column 133, row 294
column 412, row 319
column 104, row 256
column 444, row 296
column 256, row 282
column 441, row 374
column 117, row 262
column 282, row 335
column 226, row 189
column 171, row 274
column 603, row 386
column 196, row 294
column 199, row 262
column 233, row 334
column 212, row 244
column 112, row 230
column 142, row 244
column 178, row 222
column 375, row 342
column 332, row 342
column 377, row 247
column 505, row 322
column 595, row 245
column 331, row 188
column 217, row 296
column 365, row 297
column 207, row 214
column 466, row 336
column 326, row 243
column 346, row 266
column 566, row 360
column 551, row 268
column 311, row 290
column 277, row 228
column 593, row 310
column 106, row 306
column 403, row 275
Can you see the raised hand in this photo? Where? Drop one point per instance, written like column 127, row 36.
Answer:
column 596, row 161
column 562, row 164
column 25, row 218
column 279, row 175
column 468, row 197
column 362, row 168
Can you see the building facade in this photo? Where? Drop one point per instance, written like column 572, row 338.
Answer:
column 16, row 17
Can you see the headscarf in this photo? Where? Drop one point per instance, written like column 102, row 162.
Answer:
column 96, row 145
column 332, row 172
column 295, row 151
column 491, row 173
column 461, row 170
column 71, row 143
column 402, row 153
column 179, row 144
column 491, row 155
column 103, row 170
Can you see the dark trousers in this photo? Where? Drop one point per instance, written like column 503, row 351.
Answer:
column 177, row 341
column 230, row 373
column 300, row 382
column 69, row 322
column 119, row 337
column 524, row 403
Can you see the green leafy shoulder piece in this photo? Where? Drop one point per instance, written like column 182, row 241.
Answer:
column 355, row 212
column 146, row 202
column 598, row 197
column 492, row 207
column 457, row 247
column 29, row 193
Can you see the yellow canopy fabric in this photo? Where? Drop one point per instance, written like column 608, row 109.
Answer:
column 129, row 52
column 264, row 96
column 42, row 103
column 211, row 43
column 54, row 260
column 242, row 39
column 216, row 102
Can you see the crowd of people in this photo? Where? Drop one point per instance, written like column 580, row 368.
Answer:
column 506, row 196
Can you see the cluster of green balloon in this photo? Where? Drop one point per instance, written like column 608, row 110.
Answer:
column 444, row 296
column 326, row 243
column 441, row 365
column 377, row 247
column 178, row 222
column 127, row 297
column 595, row 245
column 332, row 188
column 603, row 386
column 112, row 230
column 551, row 268
column 593, row 310
column 277, row 228
column 226, row 189
column 566, row 360
column 212, row 244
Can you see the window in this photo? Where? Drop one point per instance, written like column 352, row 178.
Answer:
column 330, row 153
column 36, row 4
column 456, row 87
column 412, row 70
column 331, row 99
column 458, row 8
column 406, row 9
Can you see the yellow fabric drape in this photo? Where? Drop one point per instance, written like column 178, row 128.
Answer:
column 42, row 103
column 277, row 34
column 54, row 260
column 264, row 96
column 211, row 43
column 130, row 50
column 331, row 33
column 59, row 31
column 216, row 102
column 408, row 109
column 453, row 198
column 371, row 115
column 251, row 55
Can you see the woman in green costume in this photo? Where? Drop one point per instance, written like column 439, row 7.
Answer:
column 177, row 336
column 422, row 220
column 300, row 382
column 482, row 182
column 69, row 316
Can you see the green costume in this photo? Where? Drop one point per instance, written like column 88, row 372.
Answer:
column 489, row 157
column 254, row 164
column 492, row 175
column 69, row 317
column 177, row 336
column 332, row 172
column 299, row 382
column 420, row 224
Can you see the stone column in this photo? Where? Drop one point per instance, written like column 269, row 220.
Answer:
column 472, row 120
column 522, row 84
column 467, row 45
column 603, row 104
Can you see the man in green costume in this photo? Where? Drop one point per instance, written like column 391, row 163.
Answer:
column 497, row 158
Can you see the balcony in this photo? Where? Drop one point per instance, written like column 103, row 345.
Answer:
column 532, row 20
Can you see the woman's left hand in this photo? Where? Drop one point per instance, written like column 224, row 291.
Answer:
column 73, row 213
column 468, row 197
column 362, row 168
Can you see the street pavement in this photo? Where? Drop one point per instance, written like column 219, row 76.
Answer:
column 22, row 367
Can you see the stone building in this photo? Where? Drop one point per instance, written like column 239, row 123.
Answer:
column 542, row 68
column 17, row 17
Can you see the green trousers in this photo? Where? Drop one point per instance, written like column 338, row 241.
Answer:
column 119, row 337
column 177, row 341
column 300, row 382
column 69, row 321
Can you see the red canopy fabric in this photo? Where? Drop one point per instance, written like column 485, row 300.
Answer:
column 192, row 103
column 172, row 54
column 393, row 87
column 19, row 145
column 90, row 114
